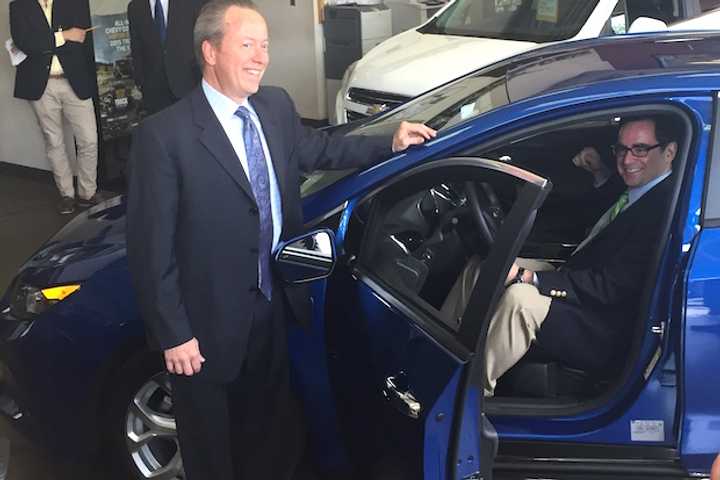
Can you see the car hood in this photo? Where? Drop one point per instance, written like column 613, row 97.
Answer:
column 395, row 63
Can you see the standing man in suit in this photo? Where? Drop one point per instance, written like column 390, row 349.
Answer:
column 214, row 186
column 161, row 33
column 57, row 78
column 579, row 313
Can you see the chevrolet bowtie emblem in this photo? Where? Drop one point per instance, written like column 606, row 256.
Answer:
column 376, row 108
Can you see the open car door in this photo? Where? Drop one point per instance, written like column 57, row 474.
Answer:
column 405, row 323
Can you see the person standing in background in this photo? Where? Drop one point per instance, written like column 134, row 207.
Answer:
column 57, row 79
column 161, row 45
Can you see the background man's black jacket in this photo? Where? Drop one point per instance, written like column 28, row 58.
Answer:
column 32, row 34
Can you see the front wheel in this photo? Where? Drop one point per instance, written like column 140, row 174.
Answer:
column 142, row 436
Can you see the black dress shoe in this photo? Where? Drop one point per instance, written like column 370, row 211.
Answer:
column 89, row 202
column 66, row 206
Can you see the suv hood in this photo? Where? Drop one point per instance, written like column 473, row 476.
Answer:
column 441, row 58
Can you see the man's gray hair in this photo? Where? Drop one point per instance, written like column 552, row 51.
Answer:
column 210, row 24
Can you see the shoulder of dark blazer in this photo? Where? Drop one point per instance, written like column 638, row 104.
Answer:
column 173, row 121
column 658, row 196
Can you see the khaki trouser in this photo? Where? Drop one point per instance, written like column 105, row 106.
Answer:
column 514, row 326
column 58, row 101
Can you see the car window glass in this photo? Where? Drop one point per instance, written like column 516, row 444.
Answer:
column 708, row 5
column 426, row 240
column 668, row 11
column 524, row 20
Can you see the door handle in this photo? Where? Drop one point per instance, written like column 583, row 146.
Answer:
column 404, row 402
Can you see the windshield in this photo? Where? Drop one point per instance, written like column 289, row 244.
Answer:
column 523, row 20
column 448, row 106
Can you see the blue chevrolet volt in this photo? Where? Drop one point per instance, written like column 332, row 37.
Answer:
column 390, row 371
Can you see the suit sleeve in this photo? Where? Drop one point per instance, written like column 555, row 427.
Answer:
column 316, row 150
column 603, row 284
column 136, row 49
column 152, row 209
column 26, row 38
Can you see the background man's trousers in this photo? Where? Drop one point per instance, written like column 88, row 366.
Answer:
column 58, row 101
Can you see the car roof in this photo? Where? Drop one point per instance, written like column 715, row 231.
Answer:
column 585, row 62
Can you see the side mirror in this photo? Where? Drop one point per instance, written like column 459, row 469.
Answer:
column 306, row 258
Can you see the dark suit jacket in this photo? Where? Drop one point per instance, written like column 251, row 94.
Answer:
column 192, row 221
column 603, row 283
column 158, row 67
column 32, row 34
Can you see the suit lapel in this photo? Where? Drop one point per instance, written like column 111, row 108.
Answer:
column 274, row 141
column 214, row 139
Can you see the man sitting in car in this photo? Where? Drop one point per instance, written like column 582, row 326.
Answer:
column 580, row 314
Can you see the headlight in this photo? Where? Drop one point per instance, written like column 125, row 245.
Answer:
column 28, row 301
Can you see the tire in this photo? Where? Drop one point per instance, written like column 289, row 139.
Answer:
column 140, row 436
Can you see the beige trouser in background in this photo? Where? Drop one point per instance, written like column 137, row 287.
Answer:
column 58, row 101
column 519, row 315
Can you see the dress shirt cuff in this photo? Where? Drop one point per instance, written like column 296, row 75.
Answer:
column 59, row 39
column 535, row 281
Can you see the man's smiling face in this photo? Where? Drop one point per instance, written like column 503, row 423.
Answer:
column 637, row 171
column 239, row 61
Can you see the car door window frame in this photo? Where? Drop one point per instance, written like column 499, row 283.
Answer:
column 462, row 342
column 711, row 202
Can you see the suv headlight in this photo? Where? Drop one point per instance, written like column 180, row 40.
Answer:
column 28, row 301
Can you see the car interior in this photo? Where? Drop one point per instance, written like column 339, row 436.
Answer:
column 426, row 239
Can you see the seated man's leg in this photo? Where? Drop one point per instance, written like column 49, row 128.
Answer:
column 512, row 330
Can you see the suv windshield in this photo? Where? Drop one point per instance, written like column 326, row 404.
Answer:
column 524, row 20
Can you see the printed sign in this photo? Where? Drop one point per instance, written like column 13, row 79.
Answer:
column 547, row 11
column 119, row 97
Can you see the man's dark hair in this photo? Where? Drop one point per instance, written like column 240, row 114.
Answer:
column 666, row 128
column 210, row 24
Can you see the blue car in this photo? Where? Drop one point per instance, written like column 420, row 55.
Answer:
column 390, row 371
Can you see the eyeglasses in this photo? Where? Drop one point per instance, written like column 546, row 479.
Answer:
column 639, row 150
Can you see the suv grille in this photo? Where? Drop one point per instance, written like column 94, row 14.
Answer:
column 373, row 100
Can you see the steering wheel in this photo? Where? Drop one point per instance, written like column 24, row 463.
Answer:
column 485, row 209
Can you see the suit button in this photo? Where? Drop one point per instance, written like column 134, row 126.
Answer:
column 254, row 251
column 253, row 211
column 253, row 289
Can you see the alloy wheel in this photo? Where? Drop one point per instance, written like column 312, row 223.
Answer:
column 150, row 432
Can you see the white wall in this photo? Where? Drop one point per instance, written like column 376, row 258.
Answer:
column 20, row 139
column 297, row 53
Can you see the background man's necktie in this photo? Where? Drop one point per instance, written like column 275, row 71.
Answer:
column 260, row 183
column 160, row 20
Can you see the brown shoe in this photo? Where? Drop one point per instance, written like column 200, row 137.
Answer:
column 89, row 202
column 66, row 206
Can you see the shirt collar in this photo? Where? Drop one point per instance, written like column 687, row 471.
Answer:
column 223, row 106
column 635, row 193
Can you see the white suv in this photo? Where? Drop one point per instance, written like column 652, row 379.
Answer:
column 469, row 34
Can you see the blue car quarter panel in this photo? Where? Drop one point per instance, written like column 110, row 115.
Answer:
column 701, row 343
column 700, row 420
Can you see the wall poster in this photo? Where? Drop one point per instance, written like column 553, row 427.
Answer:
column 119, row 98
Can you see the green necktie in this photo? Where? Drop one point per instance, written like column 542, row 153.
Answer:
column 619, row 205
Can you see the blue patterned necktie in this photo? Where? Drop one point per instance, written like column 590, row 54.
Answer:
column 260, row 184
column 160, row 20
